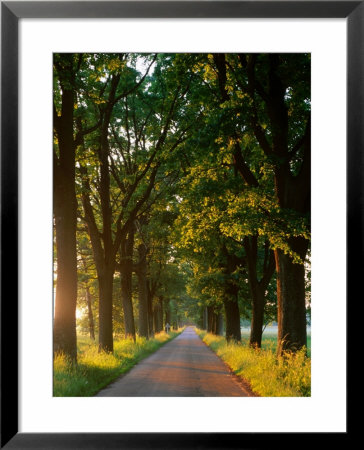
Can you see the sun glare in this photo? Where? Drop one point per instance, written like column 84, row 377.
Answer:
column 79, row 313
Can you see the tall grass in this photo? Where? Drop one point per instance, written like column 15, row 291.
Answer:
column 95, row 369
column 268, row 375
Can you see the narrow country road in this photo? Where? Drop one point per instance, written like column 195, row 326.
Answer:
column 184, row 367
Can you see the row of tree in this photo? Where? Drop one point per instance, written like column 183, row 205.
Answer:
column 181, row 186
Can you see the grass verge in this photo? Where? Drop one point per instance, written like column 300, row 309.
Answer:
column 95, row 369
column 267, row 374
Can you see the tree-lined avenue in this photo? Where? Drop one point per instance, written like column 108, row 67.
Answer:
column 182, row 195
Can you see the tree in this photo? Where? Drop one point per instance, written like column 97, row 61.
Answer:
column 271, row 93
column 216, row 265
column 119, row 172
column 65, row 205
column 85, row 278
column 284, row 99
column 141, row 271
column 133, row 139
column 258, row 285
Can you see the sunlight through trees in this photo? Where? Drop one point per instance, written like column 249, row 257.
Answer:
column 181, row 195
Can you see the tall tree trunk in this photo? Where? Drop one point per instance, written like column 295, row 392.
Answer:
column 200, row 319
column 232, row 316
column 258, row 287
column 142, row 292
column 126, row 274
column 91, row 323
column 210, row 318
column 205, row 318
column 64, row 328
column 105, row 309
column 65, row 213
column 127, row 302
column 214, row 323
column 88, row 297
column 293, row 193
column 256, row 331
column 292, row 333
column 230, row 299
column 220, row 324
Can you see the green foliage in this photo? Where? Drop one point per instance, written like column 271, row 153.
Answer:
column 172, row 128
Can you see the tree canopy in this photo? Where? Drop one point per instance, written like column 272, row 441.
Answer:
column 181, row 194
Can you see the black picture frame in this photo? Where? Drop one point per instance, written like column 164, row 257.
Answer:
column 11, row 12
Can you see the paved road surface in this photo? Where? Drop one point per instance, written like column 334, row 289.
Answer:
column 184, row 367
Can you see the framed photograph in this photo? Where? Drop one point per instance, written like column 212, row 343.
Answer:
column 32, row 35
